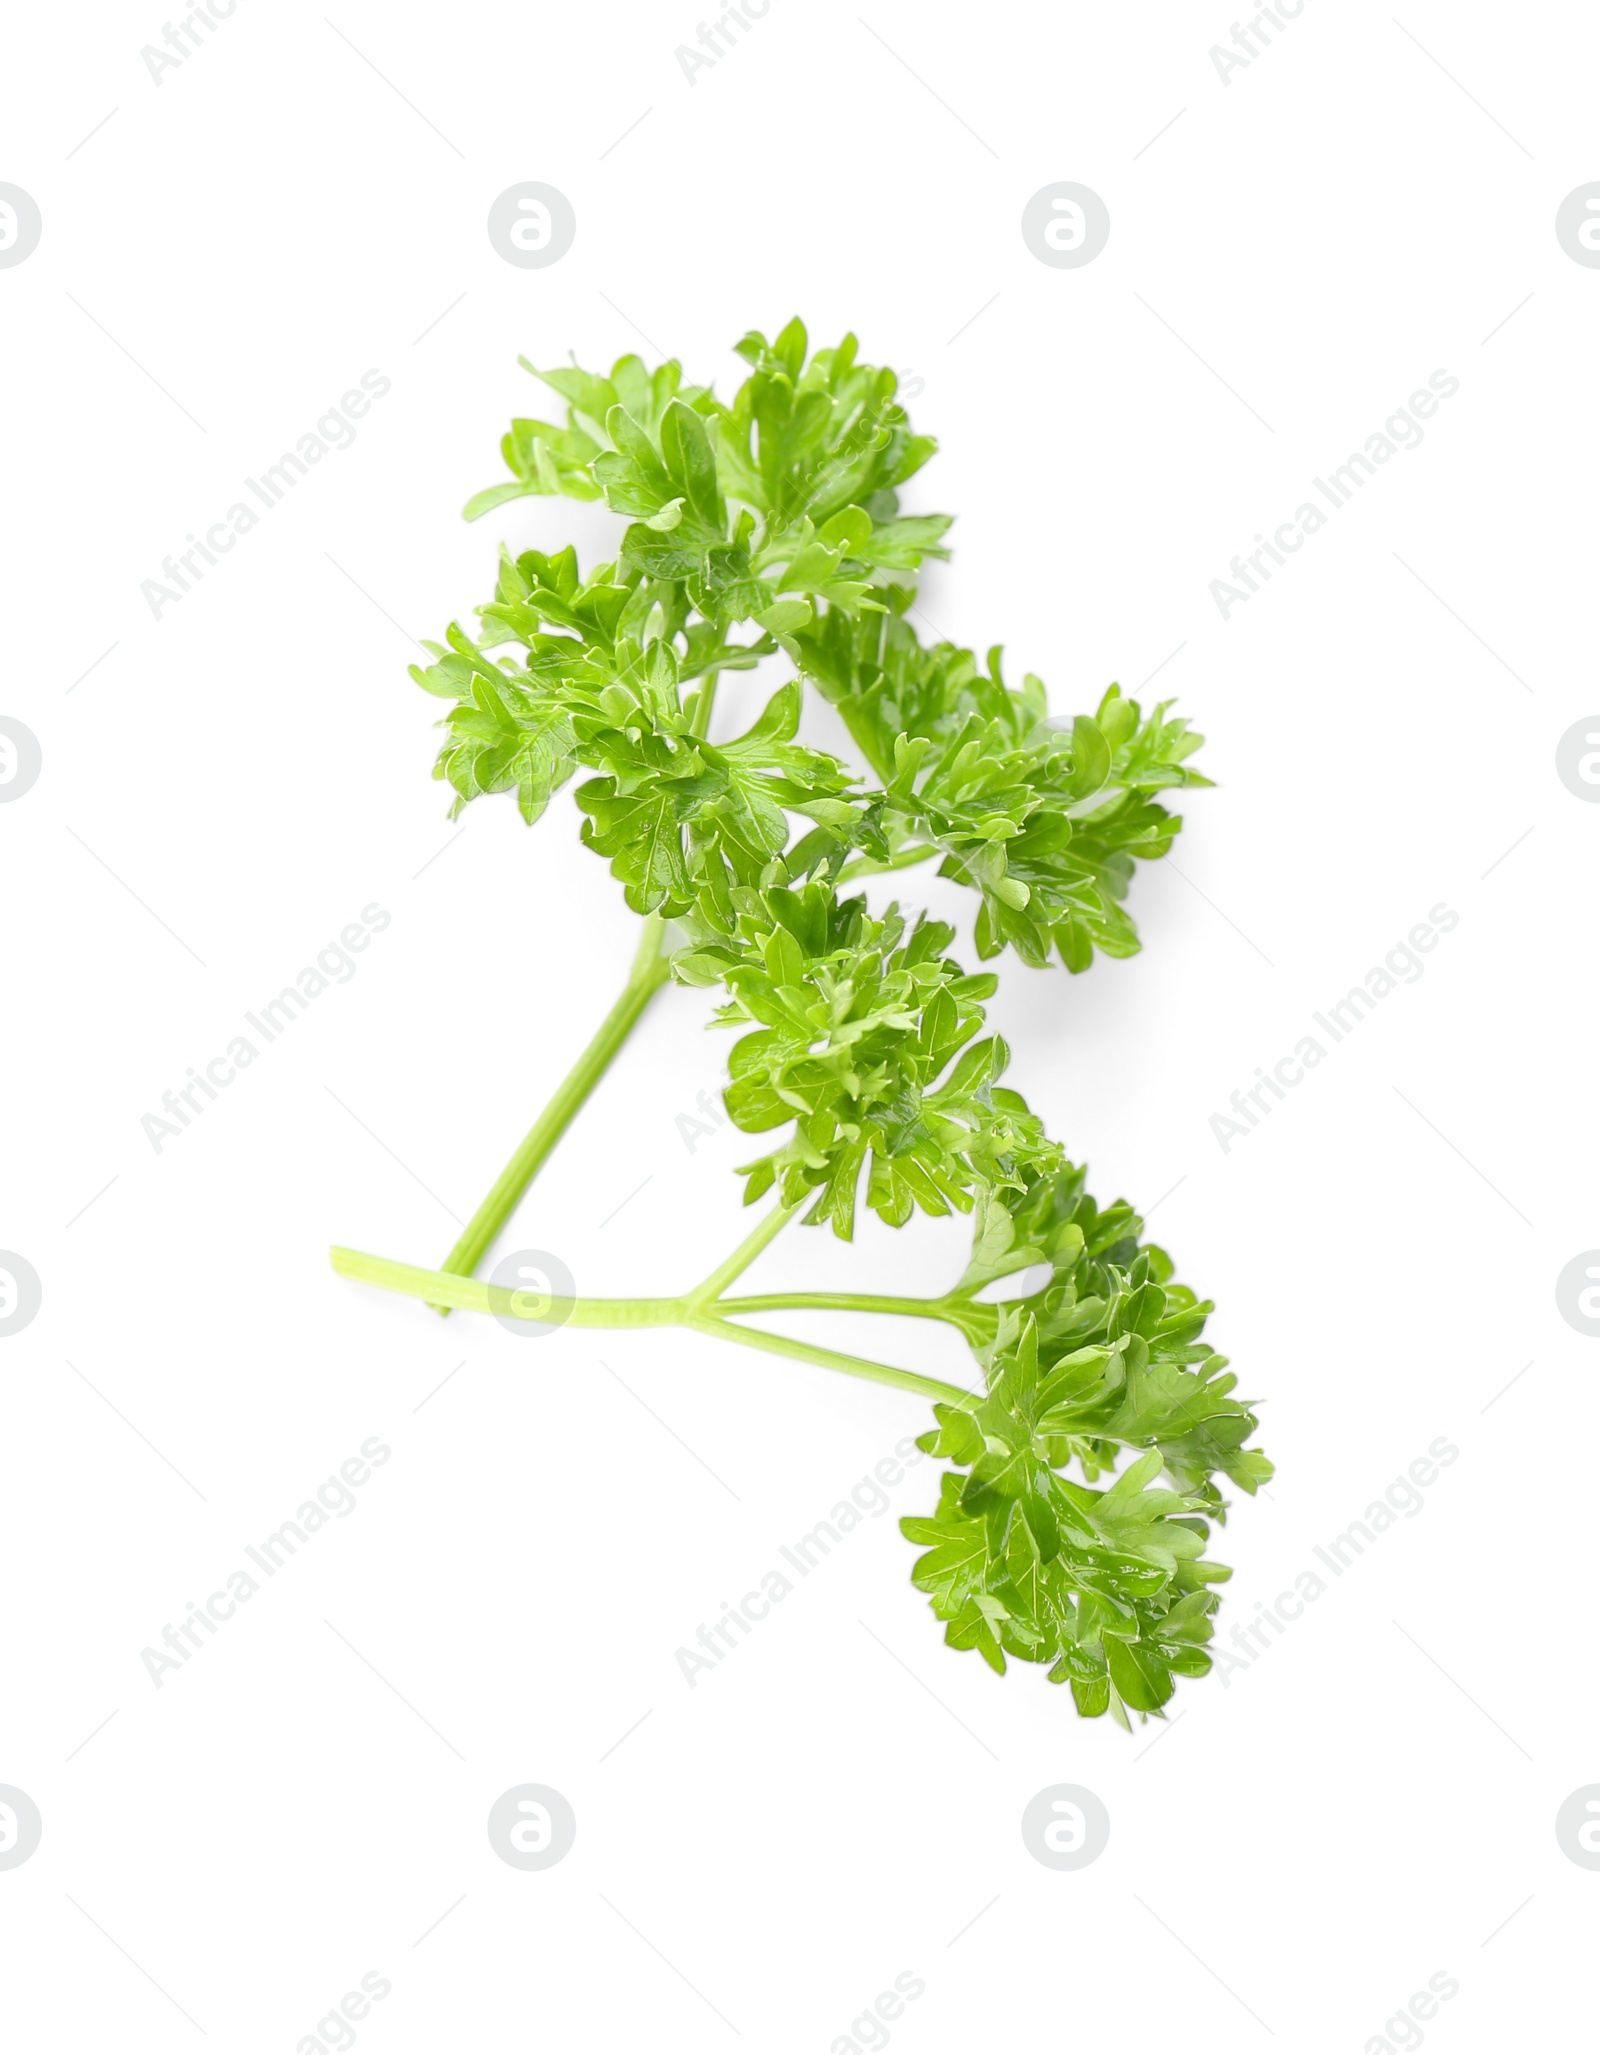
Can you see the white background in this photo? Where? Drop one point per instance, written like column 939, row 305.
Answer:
column 1370, row 1802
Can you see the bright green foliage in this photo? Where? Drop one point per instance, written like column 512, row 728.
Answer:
column 1160, row 1386
column 1110, row 1588
column 781, row 511
column 1043, row 820
column 864, row 1048
column 771, row 525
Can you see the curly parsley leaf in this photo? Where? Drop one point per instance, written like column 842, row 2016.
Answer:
column 1085, row 1477
column 1110, row 1589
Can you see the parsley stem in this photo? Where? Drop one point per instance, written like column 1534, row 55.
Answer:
column 648, row 975
column 842, row 1302
column 829, row 1359
column 735, row 1265
column 866, row 867
column 705, row 700
column 472, row 1294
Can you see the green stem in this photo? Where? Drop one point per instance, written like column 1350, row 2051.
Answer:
column 705, row 700
column 471, row 1294
column 742, row 656
column 842, row 1302
column 440, row 1288
column 717, row 1283
column 829, row 1359
column 866, row 867
column 648, row 975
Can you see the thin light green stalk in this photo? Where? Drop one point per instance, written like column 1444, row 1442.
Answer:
column 828, row 1359
column 731, row 656
column 842, row 1302
column 701, row 724
column 442, row 1288
column 438, row 1287
column 648, row 975
column 974, row 1318
column 735, row 1266
column 865, row 867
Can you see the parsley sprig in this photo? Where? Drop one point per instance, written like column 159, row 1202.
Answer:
column 1084, row 1461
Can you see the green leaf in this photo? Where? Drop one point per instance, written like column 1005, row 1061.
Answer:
column 1084, row 1479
